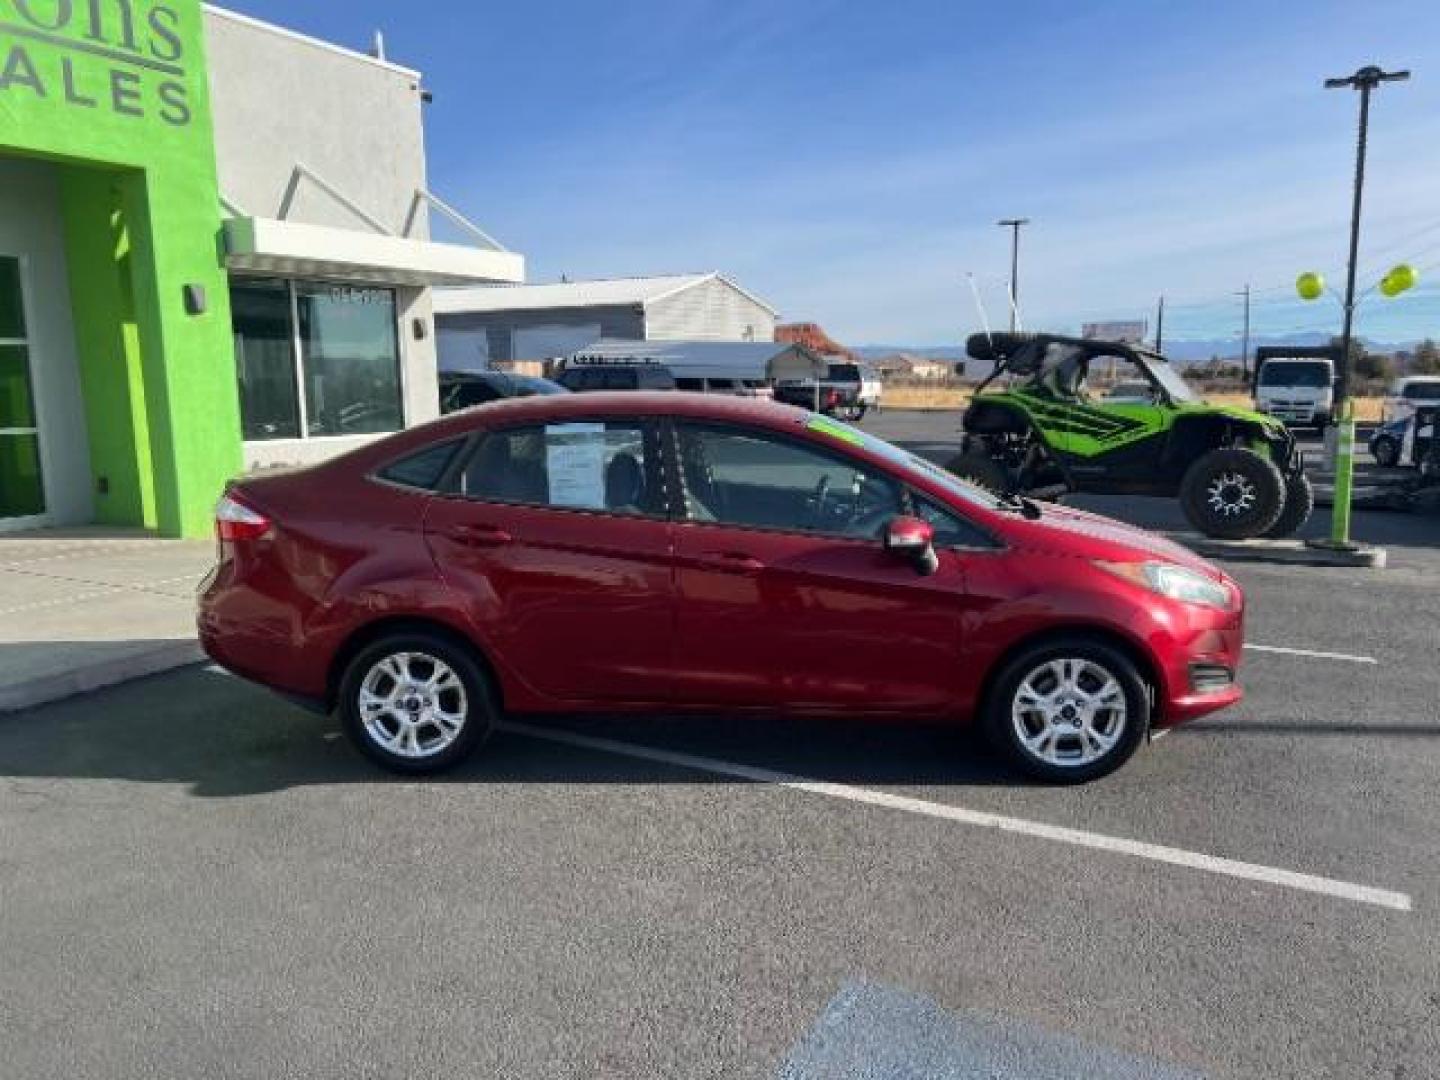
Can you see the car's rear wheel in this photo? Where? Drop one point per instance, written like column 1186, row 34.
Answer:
column 1068, row 711
column 982, row 471
column 416, row 702
column 1233, row 494
column 1299, row 505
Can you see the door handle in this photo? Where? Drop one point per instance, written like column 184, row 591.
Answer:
column 734, row 562
column 479, row 535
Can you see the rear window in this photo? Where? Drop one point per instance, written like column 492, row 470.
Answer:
column 424, row 469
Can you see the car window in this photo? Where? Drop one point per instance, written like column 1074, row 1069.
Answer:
column 582, row 466
column 424, row 469
column 696, row 385
column 757, row 480
column 1425, row 391
column 950, row 529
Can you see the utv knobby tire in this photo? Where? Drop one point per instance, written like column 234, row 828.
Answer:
column 998, row 345
column 982, row 471
column 1299, row 505
column 1259, row 476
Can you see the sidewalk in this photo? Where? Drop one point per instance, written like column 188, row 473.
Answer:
column 86, row 608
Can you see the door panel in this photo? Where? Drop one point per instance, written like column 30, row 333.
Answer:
column 784, row 593
column 811, row 621
column 576, row 597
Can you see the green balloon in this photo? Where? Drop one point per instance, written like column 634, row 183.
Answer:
column 1310, row 286
column 1401, row 279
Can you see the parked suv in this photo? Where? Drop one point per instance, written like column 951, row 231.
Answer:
column 465, row 390
column 584, row 377
column 1406, row 394
column 593, row 552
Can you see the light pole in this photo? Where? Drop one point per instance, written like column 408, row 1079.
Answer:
column 1245, row 341
column 1013, row 224
column 1365, row 80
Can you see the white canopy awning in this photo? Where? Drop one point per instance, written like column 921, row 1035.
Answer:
column 265, row 245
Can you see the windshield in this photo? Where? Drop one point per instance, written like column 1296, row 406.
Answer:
column 1311, row 373
column 1170, row 379
column 1422, row 391
column 893, row 454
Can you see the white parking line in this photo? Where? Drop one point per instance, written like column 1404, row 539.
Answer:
column 1313, row 654
column 1269, row 875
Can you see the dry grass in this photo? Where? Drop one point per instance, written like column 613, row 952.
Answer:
column 924, row 397
column 1367, row 409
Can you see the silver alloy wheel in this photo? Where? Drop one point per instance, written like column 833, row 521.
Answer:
column 412, row 704
column 1069, row 712
column 1231, row 494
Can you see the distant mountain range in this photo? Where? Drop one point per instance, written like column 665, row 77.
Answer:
column 1181, row 351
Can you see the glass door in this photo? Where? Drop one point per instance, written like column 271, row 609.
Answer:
column 22, row 489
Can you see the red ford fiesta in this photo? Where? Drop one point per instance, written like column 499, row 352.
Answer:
column 672, row 551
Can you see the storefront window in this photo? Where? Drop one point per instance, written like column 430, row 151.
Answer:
column 347, row 367
column 352, row 363
column 265, row 359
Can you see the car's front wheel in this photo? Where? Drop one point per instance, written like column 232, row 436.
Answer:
column 1233, row 494
column 1068, row 711
column 416, row 702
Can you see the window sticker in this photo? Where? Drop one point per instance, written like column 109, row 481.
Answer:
column 823, row 425
column 575, row 461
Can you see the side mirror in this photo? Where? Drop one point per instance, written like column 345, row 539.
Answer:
column 912, row 540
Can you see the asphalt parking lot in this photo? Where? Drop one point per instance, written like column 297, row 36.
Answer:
column 198, row 879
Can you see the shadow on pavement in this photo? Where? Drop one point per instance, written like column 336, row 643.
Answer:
column 221, row 738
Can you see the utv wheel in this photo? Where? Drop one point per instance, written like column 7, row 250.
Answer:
column 1068, row 711
column 982, row 471
column 1233, row 494
column 1299, row 505
column 1386, row 452
column 416, row 703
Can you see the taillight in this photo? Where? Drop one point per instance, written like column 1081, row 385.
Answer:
column 236, row 521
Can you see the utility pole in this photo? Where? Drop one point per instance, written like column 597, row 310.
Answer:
column 1013, row 224
column 1245, row 341
column 1365, row 80
column 1160, row 326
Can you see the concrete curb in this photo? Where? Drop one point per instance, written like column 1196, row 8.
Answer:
column 82, row 680
column 1288, row 552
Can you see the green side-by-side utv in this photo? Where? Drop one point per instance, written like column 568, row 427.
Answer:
column 1034, row 427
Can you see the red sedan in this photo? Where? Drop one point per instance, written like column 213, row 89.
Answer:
column 608, row 552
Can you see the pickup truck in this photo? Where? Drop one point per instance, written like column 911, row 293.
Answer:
column 842, row 393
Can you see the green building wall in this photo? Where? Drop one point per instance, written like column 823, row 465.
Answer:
column 116, row 92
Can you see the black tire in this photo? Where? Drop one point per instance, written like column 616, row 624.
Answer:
column 1385, row 451
column 998, row 345
column 982, row 471
column 1299, row 505
column 1062, row 761
column 475, row 703
column 1247, row 490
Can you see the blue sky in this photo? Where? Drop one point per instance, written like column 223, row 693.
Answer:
column 848, row 161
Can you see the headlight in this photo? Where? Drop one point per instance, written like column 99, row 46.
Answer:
column 1175, row 582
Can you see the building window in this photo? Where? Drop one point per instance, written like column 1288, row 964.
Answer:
column 265, row 360
column 316, row 359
